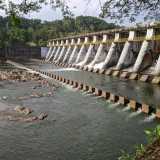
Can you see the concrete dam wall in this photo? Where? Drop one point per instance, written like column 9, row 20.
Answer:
column 133, row 49
column 25, row 52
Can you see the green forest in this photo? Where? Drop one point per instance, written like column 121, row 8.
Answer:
column 34, row 32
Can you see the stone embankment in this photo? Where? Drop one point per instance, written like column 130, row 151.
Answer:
column 152, row 152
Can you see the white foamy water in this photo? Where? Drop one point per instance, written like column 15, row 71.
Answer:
column 129, row 69
column 134, row 114
column 89, row 94
column 124, row 109
column 98, row 97
column 80, row 63
column 69, row 88
column 83, row 93
column 113, row 105
column 99, row 65
column 149, row 118
column 90, row 65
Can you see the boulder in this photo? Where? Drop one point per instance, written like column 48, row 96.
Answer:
column 30, row 119
column 18, row 108
column 42, row 116
column 27, row 111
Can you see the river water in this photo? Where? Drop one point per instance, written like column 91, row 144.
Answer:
column 79, row 125
column 140, row 91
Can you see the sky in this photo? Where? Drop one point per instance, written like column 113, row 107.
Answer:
column 47, row 13
column 93, row 9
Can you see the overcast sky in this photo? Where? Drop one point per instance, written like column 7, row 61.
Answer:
column 93, row 9
column 47, row 13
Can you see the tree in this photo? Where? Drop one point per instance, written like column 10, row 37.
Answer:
column 15, row 9
column 120, row 9
column 34, row 32
column 114, row 9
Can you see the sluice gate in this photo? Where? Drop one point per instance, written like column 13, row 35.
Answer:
column 132, row 49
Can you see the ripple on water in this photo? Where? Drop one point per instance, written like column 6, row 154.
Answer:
column 85, row 128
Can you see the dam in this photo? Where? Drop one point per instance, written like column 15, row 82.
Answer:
column 108, row 95
column 132, row 49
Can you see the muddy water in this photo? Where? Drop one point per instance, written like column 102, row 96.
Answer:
column 79, row 125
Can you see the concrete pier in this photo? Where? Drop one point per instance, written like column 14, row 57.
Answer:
column 139, row 65
column 69, row 51
column 49, row 52
column 88, row 57
column 58, row 51
column 100, row 55
column 63, row 52
column 82, row 52
column 157, row 68
column 112, row 56
column 127, row 57
column 52, row 53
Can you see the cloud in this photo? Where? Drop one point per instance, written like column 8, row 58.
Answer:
column 48, row 14
column 92, row 9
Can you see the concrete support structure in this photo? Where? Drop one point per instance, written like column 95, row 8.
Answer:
column 58, row 50
column 111, row 58
column 69, row 51
column 127, row 57
column 81, row 53
column 64, row 49
column 145, row 46
column 74, row 52
column 49, row 52
column 52, row 53
column 88, row 56
column 99, row 55
column 157, row 68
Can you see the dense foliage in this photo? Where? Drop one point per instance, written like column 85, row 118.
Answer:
column 34, row 32
column 114, row 9
column 137, row 150
column 120, row 9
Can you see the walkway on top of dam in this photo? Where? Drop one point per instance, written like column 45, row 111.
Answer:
column 142, row 92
